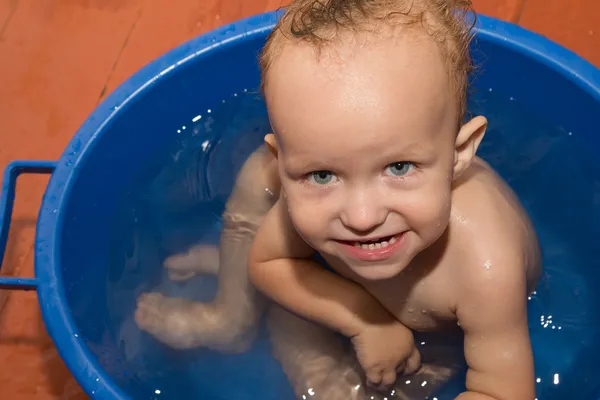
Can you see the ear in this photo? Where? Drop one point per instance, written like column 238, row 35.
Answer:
column 271, row 142
column 467, row 141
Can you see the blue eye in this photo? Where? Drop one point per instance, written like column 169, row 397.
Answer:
column 400, row 168
column 321, row 177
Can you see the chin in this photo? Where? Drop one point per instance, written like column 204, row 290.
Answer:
column 378, row 272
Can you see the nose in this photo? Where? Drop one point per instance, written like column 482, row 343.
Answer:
column 363, row 211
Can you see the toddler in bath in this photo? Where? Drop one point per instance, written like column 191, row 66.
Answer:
column 372, row 165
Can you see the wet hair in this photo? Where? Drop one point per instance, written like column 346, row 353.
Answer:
column 321, row 22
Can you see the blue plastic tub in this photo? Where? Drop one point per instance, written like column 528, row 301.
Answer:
column 122, row 186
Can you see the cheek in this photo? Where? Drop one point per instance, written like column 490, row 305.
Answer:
column 309, row 217
column 428, row 211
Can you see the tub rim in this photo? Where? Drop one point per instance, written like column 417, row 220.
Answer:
column 51, row 294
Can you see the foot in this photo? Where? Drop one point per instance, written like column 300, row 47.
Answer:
column 424, row 383
column 185, row 324
column 201, row 259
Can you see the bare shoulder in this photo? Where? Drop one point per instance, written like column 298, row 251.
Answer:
column 498, row 245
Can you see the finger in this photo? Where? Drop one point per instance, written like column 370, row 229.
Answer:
column 388, row 379
column 374, row 377
column 400, row 367
column 413, row 363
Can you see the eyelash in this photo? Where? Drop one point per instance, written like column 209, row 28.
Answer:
column 307, row 178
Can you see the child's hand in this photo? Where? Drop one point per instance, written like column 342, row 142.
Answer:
column 385, row 350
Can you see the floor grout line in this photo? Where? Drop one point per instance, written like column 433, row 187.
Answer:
column 121, row 51
column 14, row 4
column 516, row 17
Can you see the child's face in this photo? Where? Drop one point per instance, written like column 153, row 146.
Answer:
column 365, row 139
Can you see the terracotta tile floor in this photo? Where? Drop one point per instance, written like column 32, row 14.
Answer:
column 59, row 58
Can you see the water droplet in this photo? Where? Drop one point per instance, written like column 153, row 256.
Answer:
column 178, row 130
column 196, row 118
column 54, row 211
column 487, row 265
column 570, row 133
column 512, row 98
column 183, row 127
column 411, row 310
column 423, row 311
column 209, row 111
column 408, row 382
column 538, row 380
column 157, row 391
column 491, row 89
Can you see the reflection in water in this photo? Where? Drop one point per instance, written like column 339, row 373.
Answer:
column 182, row 204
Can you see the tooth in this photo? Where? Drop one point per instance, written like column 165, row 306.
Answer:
column 357, row 244
column 377, row 245
column 372, row 246
column 393, row 240
column 384, row 244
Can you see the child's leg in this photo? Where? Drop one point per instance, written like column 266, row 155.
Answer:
column 200, row 259
column 314, row 358
column 442, row 359
column 319, row 366
column 229, row 322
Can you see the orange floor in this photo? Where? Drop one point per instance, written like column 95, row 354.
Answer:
column 59, row 58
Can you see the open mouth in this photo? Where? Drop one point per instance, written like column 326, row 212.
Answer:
column 380, row 243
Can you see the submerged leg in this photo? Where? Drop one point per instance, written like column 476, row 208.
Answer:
column 442, row 359
column 314, row 358
column 200, row 259
column 229, row 322
column 319, row 365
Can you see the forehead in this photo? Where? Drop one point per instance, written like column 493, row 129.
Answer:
column 394, row 84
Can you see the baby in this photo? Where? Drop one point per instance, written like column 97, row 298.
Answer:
column 372, row 166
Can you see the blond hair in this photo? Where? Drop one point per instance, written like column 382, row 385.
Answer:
column 319, row 22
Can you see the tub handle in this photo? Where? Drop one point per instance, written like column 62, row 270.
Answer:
column 7, row 199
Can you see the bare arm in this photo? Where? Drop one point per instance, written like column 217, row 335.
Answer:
column 280, row 267
column 493, row 315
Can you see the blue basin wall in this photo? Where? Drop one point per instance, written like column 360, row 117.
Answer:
column 121, row 140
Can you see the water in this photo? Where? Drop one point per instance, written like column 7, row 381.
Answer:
column 180, row 201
